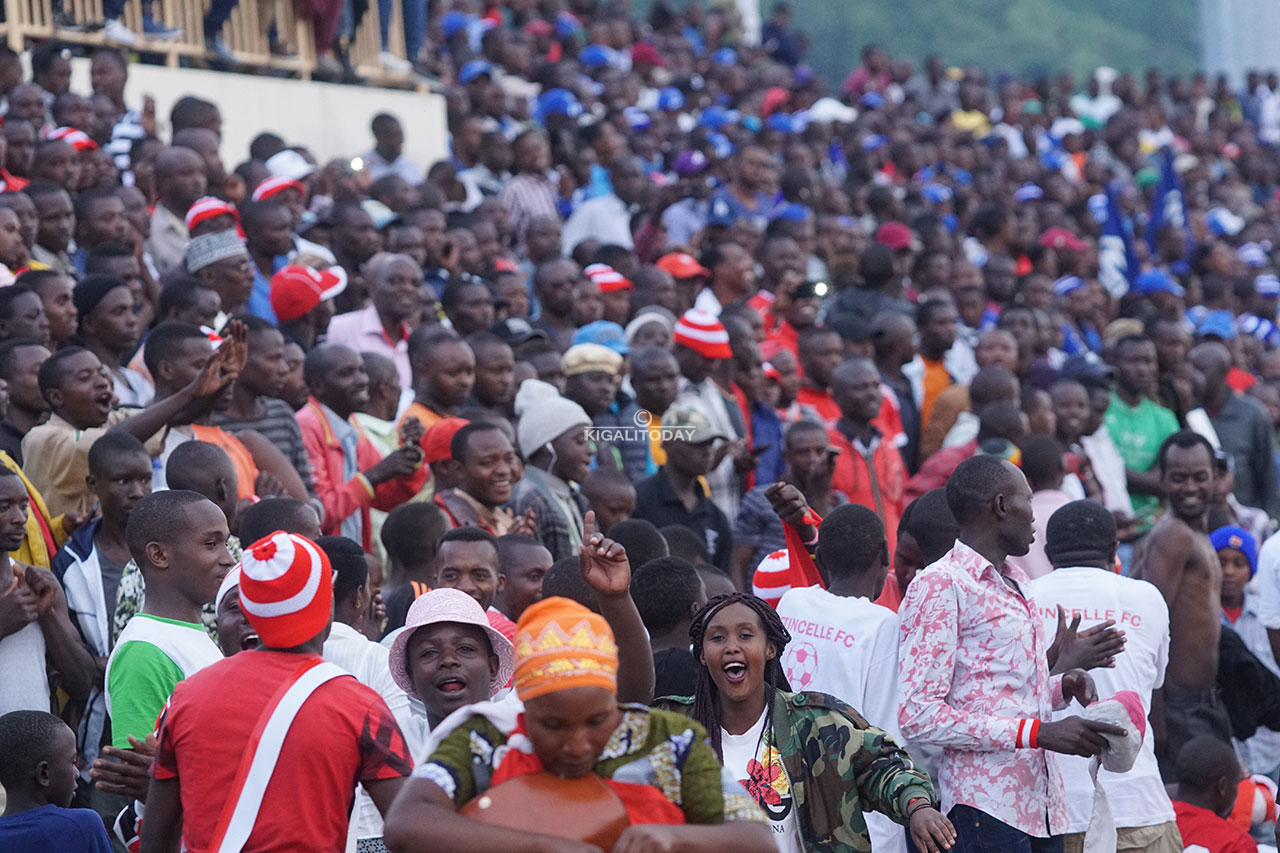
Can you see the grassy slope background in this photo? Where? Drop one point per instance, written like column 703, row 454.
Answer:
column 1023, row 36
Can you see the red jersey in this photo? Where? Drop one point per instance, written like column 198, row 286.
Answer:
column 877, row 482
column 343, row 734
column 1204, row 828
column 820, row 401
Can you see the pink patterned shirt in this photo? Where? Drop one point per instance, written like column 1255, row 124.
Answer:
column 973, row 668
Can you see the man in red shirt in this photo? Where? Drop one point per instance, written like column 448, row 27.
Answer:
column 217, row 778
column 1209, row 776
column 869, row 469
column 819, row 351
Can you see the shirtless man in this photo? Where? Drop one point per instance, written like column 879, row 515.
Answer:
column 1178, row 558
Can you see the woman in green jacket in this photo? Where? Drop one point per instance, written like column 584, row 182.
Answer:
column 812, row 762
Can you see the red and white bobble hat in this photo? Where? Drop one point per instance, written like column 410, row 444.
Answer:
column 703, row 333
column 772, row 578
column 286, row 589
column 77, row 139
column 206, row 208
column 274, row 186
column 608, row 279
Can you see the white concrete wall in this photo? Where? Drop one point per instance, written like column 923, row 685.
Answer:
column 1237, row 35
column 329, row 119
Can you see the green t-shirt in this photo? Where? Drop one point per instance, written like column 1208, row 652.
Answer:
column 149, row 660
column 1138, row 432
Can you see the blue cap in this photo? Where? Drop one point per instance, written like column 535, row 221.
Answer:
column 670, row 98
column 454, row 22
column 725, row 56
column 1223, row 222
column 720, row 213
column 567, row 24
column 473, row 69
column 1252, row 254
column 780, row 122
column 720, row 144
column 936, row 193
column 873, row 100
column 1027, row 192
column 558, row 102
column 1067, row 284
column 637, row 119
column 1264, row 330
column 596, row 56
column 716, row 117
column 1267, row 286
column 751, row 123
column 1157, row 281
column 604, row 333
column 874, row 142
column 1237, row 539
column 1218, row 324
column 793, row 213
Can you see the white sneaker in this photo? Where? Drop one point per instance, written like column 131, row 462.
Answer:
column 117, row 33
column 393, row 63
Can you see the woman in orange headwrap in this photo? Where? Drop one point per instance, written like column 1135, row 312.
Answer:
column 569, row 725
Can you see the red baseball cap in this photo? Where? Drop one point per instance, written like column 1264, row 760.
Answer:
column 295, row 289
column 895, row 235
column 438, row 440
column 682, row 265
column 1061, row 238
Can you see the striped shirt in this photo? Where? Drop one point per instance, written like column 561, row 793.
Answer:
column 527, row 197
column 279, row 426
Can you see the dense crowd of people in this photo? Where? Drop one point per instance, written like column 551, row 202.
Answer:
column 697, row 458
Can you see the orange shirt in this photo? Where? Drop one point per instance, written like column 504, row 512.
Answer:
column 241, row 459
column 936, row 380
column 427, row 415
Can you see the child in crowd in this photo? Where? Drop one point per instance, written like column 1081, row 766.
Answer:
column 38, row 772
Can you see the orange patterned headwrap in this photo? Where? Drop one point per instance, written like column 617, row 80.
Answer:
column 559, row 645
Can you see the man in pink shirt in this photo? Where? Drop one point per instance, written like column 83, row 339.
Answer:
column 975, row 678
column 395, row 302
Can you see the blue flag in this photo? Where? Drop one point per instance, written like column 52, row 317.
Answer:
column 1168, row 205
column 1117, row 259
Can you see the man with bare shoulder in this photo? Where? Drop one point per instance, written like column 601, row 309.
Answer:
column 1178, row 558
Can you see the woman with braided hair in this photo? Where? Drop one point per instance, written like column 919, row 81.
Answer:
column 812, row 762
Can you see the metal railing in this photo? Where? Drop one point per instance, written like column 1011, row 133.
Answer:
column 245, row 33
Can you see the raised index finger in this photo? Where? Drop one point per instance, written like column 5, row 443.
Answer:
column 588, row 526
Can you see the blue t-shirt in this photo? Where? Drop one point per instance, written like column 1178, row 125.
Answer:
column 54, row 828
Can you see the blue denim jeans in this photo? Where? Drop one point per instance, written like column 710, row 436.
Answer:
column 415, row 25
column 979, row 832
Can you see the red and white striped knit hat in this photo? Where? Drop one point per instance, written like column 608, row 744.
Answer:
column 273, row 186
column 77, row 139
column 772, row 578
column 703, row 333
column 286, row 589
column 206, row 208
column 608, row 279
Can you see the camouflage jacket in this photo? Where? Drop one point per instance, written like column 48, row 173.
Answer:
column 839, row 766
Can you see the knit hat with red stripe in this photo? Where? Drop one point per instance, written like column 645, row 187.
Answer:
column 77, row 139
column 275, row 186
column 703, row 333
column 209, row 207
column 286, row 589
column 608, row 279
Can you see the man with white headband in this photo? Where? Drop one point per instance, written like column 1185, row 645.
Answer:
column 239, row 733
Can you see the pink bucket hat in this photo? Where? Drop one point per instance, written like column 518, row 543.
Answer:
column 449, row 605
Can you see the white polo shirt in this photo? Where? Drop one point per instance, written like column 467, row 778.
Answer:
column 1138, row 797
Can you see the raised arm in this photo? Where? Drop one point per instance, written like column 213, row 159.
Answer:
column 606, row 568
